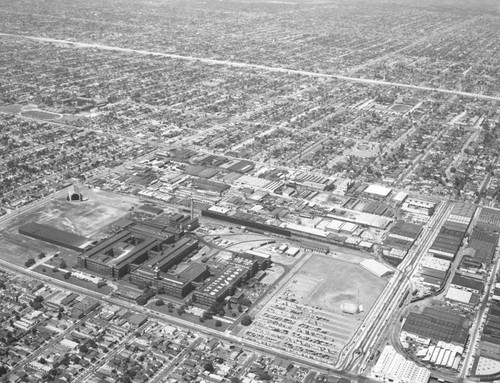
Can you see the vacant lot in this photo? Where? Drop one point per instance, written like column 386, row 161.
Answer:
column 90, row 218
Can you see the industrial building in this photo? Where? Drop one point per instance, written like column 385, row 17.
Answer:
column 153, row 271
column 436, row 324
column 116, row 255
column 375, row 267
column 450, row 237
column 489, row 219
column 418, row 206
column 55, row 236
column 377, row 191
column 464, row 283
column 393, row 367
column 216, row 289
column 480, row 249
column 402, row 235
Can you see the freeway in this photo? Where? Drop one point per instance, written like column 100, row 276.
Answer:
column 248, row 65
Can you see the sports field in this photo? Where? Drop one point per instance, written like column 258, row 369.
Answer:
column 339, row 282
column 305, row 317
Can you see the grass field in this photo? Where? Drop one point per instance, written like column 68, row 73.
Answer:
column 89, row 218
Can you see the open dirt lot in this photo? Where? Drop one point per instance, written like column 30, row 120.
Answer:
column 89, row 218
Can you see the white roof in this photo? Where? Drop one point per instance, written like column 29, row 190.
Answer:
column 348, row 226
column 305, row 229
column 218, row 209
column 435, row 263
column 458, row 295
column 376, row 267
column 395, row 367
column 378, row 190
column 335, row 225
column 400, row 196
column 68, row 344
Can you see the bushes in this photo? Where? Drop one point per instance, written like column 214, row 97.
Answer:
column 159, row 302
column 246, row 320
column 145, row 297
column 30, row 262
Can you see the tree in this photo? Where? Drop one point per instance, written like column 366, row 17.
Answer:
column 218, row 323
column 246, row 320
column 84, row 349
column 3, row 370
column 30, row 262
column 180, row 310
column 159, row 302
column 208, row 366
column 141, row 300
column 63, row 264
column 245, row 302
column 67, row 275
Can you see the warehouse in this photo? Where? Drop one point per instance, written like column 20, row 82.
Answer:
column 457, row 295
column 467, row 284
column 484, row 243
column 418, row 206
column 436, row 325
column 448, row 241
column 377, row 191
column 393, row 367
column 55, row 236
column 377, row 268
column 489, row 219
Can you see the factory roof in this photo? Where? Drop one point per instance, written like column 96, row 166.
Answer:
column 223, row 281
column 458, row 295
column 378, row 190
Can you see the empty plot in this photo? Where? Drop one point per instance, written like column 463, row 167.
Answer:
column 88, row 218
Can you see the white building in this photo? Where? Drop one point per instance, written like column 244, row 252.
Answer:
column 393, row 367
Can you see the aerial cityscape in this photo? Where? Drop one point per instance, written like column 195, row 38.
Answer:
column 242, row 191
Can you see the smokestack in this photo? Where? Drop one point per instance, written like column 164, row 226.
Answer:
column 192, row 208
column 192, row 202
